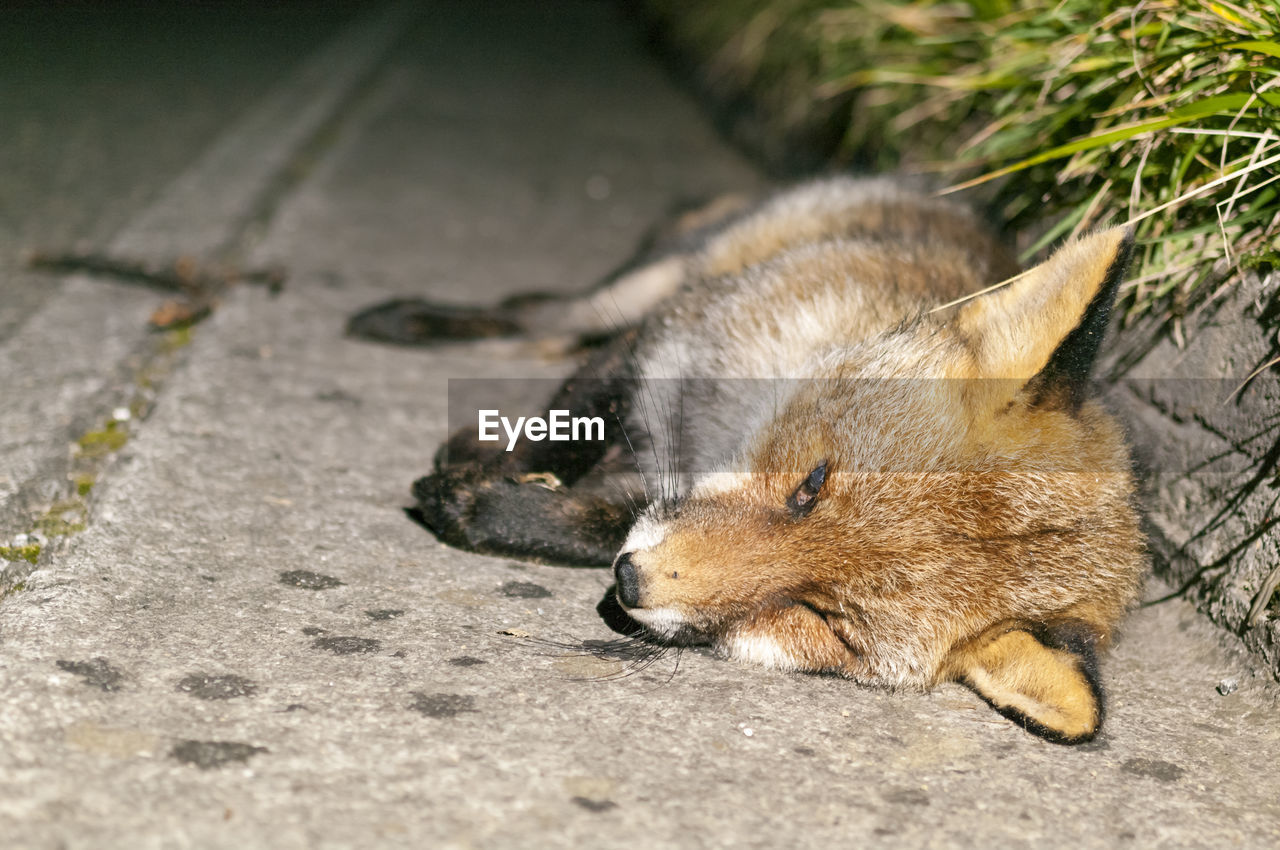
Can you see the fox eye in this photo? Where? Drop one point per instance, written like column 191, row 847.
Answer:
column 801, row 502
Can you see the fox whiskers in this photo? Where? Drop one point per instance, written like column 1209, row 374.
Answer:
column 636, row 653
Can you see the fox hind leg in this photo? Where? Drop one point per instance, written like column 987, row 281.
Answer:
column 413, row 321
column 619, row 302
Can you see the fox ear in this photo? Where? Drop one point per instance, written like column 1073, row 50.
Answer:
column 1046, row 326
column 1043, row 678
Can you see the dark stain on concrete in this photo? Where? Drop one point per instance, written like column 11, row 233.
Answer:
column 96, row 673
column 804, row 751
column 441, row 705
column 210, row 754
column 595, row 805
column 347, row 644
column 905, row 797
column 308, row 580
column 1154, row 768
column 312, row 631
column 524, row 590
column 204, row 686
column 384, row 613
column 466, row 661
column 339, row 396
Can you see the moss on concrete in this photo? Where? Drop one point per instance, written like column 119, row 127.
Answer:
column 29, row 552
column 99, row 442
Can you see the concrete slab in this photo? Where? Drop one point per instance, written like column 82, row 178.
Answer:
column 78, row 349
column 1212, row 440
column 103, row 109
column 251, row 646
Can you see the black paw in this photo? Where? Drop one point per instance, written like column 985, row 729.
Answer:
column 473, row 506
column 446, row 502
column 412, row 321
column 531, row 516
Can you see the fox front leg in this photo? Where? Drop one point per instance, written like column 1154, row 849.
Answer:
column 1042, row 676
column 524, row 503
column 531, row 515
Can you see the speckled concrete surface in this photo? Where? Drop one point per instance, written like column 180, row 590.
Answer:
column 251, row 646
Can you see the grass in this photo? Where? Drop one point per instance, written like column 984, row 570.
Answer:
column 1165, row 113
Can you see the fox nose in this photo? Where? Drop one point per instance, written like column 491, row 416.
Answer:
column 628, row 582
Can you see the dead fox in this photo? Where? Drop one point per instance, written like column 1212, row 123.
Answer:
column 837, row 477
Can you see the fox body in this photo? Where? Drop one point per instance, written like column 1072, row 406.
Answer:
column 837, row 475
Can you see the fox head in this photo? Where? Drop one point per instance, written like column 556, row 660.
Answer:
column 941, row 502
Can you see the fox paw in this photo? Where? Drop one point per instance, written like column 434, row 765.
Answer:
column 473, row 507
column 412, row 321
column 531, row 516
column 446, row 503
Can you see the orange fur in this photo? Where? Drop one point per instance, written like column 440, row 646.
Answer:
column 965, row 491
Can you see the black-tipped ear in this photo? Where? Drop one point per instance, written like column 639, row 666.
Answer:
column 1043, row 329
column 1042, row 677
column 1065, row 378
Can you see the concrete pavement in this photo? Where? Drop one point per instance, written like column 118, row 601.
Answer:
column 249, row 645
